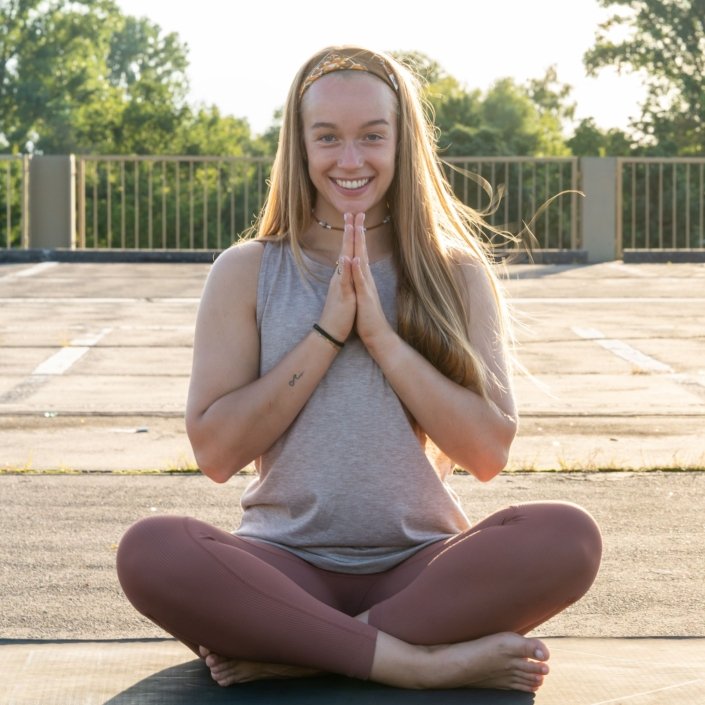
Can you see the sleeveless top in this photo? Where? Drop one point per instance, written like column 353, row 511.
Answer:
column 348, row 487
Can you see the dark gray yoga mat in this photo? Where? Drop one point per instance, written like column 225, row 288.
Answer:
column 190, row 684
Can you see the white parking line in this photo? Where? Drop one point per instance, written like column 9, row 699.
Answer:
column 628, row 269
column 608, row 300
column 30, row 271
column 623, row 350
column 63, row 360
column 24, row 300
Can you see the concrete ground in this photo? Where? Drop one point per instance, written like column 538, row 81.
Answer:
column 96, row 358
column 94, row 363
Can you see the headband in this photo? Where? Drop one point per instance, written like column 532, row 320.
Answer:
column 351, row 60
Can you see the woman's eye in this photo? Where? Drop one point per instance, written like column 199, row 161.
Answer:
column 327, row 139
column 374, row 137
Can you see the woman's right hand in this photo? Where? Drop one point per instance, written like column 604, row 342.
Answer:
column 338, row 315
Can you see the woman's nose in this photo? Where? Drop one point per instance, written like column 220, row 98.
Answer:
column 350, row 158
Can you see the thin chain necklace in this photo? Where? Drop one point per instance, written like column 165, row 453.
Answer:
column 328, row 226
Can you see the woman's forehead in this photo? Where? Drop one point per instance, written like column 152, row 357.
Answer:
column 342, row 91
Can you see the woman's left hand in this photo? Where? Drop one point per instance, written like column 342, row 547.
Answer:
column 370, row 322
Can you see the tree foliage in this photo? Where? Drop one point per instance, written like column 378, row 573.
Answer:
column 78, row 76
column 589, row 140
column 664, row 40
column 507, row 119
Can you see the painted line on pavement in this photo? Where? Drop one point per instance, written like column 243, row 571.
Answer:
column 30, row 271
column 610, row 300
column 65, row 358
column 623, row 350
column 627, row 269
column 98, row 300
column 130, row 327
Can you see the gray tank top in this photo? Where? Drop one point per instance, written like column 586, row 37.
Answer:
column 348, row 487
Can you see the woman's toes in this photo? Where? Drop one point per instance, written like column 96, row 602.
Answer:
column 532, row 667
column 538, row 650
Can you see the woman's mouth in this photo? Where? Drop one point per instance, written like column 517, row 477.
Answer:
column 352, row 184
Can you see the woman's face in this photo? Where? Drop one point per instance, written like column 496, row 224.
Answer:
column 350, row 134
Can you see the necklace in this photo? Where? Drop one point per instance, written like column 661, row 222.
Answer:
column 328, row 226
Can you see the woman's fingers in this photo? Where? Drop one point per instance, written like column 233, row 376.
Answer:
column 347, row 250
column 339, row 309
column 359, row 240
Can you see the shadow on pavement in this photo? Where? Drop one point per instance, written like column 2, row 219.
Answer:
column 190, row 684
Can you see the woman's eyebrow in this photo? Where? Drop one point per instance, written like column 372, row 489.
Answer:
column 332, row 125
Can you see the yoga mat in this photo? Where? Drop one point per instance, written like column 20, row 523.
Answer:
column 190, row 684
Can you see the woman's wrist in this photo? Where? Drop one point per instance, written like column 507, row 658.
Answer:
column 384, row 346
column 331, row 340
column 340, row 344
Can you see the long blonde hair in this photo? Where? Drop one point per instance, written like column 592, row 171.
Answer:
column 434, row 231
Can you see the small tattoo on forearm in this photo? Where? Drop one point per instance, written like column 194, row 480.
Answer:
column 295, row 379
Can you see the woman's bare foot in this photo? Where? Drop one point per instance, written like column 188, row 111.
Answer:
column 225, row 671
column 505, row 661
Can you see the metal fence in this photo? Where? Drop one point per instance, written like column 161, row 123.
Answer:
column 206, row 202
column 14, row 201
column 660, row 204
column 540, row 194
column 177, row 202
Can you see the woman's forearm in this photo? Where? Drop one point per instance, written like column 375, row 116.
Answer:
column 471, row 430
column 242, row 424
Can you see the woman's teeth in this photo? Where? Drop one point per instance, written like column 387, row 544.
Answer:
column 350, row 184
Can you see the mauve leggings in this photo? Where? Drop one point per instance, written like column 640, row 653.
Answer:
column 248, row 600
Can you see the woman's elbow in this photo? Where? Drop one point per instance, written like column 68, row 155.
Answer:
column 209, row 459
column 216, row 473
column 489, row 466
column 489, row 460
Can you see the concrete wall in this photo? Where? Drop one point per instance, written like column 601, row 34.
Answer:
column 598, row 215
column 52, row 202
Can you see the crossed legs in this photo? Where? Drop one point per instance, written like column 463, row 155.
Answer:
column 451, row 615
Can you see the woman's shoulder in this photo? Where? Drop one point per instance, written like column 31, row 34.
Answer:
column 242, row 256
column 235, row 272
column 475, row 272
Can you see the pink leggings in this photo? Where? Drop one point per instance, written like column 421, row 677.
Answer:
column 248, row 600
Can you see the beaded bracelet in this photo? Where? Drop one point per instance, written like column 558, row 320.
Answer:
column 338, row 344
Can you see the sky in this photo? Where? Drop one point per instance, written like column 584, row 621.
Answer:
column 244, row 55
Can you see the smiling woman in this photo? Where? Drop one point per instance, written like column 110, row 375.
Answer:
column 355, row 365
column 351, row 155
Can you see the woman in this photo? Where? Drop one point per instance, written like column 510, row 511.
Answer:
column 356, row 351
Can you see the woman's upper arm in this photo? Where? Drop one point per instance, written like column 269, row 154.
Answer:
column 226, row 342
column 487, row 334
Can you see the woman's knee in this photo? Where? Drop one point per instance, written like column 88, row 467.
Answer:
column 145, row 552
column 577, row 543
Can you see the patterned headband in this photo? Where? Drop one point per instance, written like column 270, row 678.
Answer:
column 351, row 60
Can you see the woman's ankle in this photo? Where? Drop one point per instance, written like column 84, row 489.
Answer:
column 400, row 664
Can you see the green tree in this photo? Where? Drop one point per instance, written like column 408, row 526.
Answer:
column 555, row 108
column 148, row 68
column 426, row 68
column 665, row 41
column 508, row 119
column 589, row 140
column 79, row 76
column 205, row 131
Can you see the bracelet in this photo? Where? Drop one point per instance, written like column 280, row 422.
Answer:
column 337, row 343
